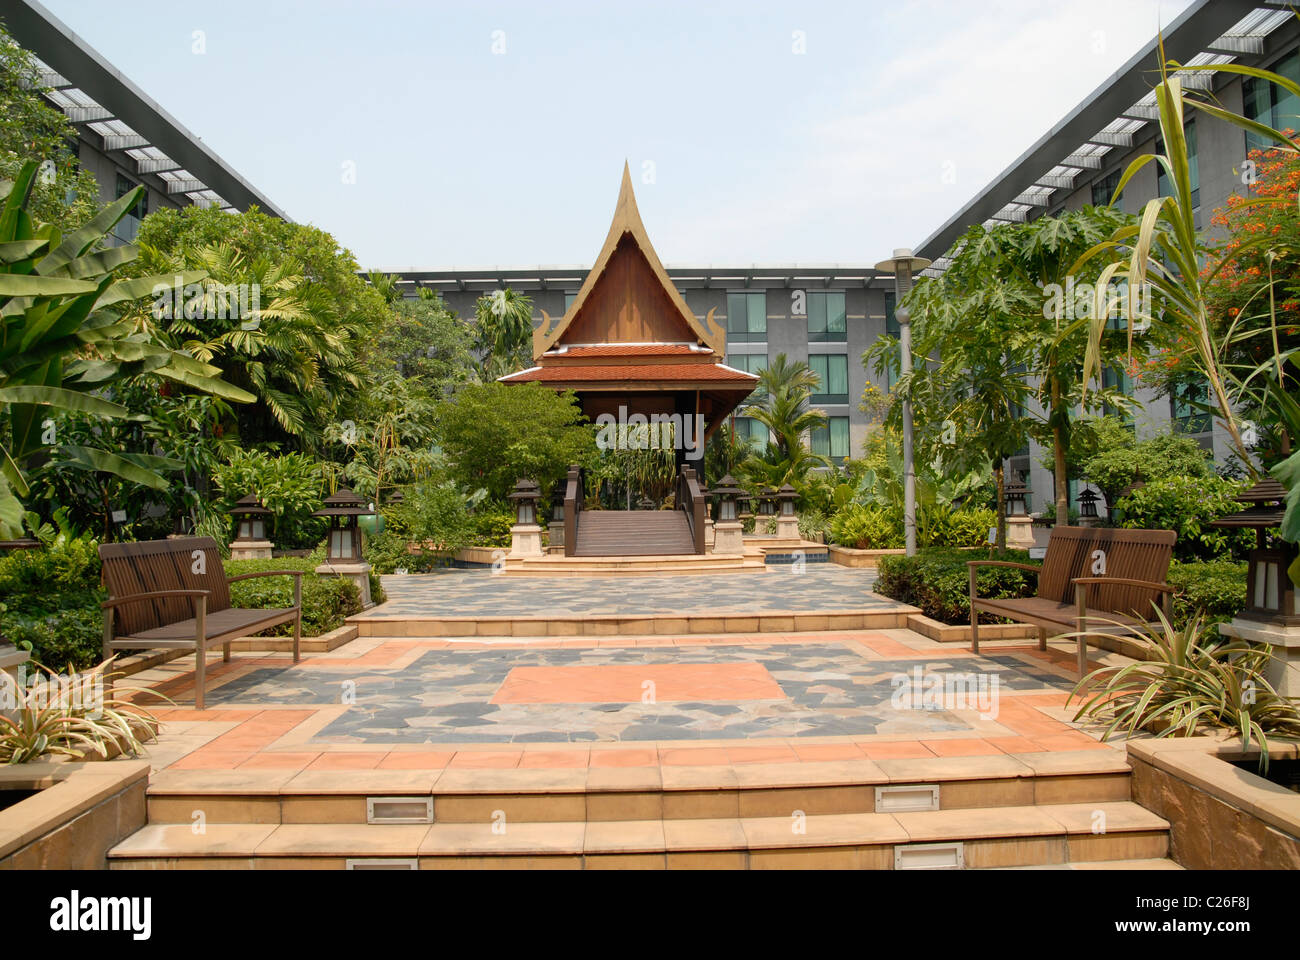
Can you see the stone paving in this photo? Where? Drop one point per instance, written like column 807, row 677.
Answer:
column 449, row 593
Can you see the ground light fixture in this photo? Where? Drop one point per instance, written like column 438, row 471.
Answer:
column 1015, row 495
column 904, row 265
column 250, row 518
column 1088, row 504
column 728, row 495
column 343, row 509
column 526, row 496
column 1270, row 594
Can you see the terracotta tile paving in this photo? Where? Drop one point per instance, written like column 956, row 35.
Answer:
column 731, row 700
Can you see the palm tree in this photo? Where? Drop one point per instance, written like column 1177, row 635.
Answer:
column 504, row 319
column 780, row 403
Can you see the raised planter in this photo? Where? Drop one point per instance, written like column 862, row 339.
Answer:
column 76, row 814
column 1221, row 816
column 958, row 633
column 851, row 557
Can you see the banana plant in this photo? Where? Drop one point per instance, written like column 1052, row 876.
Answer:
column 63, row 343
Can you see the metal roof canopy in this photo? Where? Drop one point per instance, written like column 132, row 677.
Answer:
column 1197, row 29
column 73, row 62
column 775, row 276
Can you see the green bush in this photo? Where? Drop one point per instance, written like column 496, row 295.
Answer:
column 326, row 601
column 1186, row 505
column 51, row 603
column 491, row 526
column 937, row 580
column 288, row 485
column 868, row 527
column 942, row 526
column 1216, row 588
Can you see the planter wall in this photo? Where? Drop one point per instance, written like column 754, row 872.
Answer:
column 850, row 557
column 80, row 813
column 1221, row 817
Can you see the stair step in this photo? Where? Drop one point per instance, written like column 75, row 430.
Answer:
column 1014, row 836
column 619, row 533
column 667, row 793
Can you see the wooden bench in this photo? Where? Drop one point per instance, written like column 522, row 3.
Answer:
column 1075, row 596
column 175, row 593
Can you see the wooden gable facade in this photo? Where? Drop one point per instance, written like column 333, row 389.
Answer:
column 629, row 342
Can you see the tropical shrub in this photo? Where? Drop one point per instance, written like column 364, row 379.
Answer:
column 52, row 598
column 1190, row 682
column 1214, row 590
column 491, row 526
column 289, row 485
column 938, row 581
column 326, row 601
column 941, row 526
column 868, row 527
column 1121, row 461
column 1187, row 505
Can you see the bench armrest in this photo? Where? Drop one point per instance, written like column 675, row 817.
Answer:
column 1126, row 581
column 297, row 580
column 151, row 595
column 1004, row 563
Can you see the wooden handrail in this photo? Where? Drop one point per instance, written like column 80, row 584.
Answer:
column 690, row 499
column 572, row 504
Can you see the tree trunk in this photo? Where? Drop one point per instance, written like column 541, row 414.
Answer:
column 1001, row 543
column 1060, row 477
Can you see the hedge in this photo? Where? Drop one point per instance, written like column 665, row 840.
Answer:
column 326, row 601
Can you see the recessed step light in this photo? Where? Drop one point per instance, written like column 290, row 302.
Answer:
column 399, row 809
column 907, row 798
column 930, row 856
column 382, row 863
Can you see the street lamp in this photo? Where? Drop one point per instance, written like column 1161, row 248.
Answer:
column 903, row 265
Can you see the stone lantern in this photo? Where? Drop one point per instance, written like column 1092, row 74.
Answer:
column 787, row 522
column 526, row 534
column 1020, row 526
column 555, row 530
column 1088, row 508
column 728, row 533
column 1272, row 612
column 343, row 548
column 250, row 541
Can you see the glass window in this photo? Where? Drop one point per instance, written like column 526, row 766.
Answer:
column 1104, row 189
column 1193, row 166
column 1270, row 104
column 752, row 432
column 832, row 370
column 1115, row 377
column 749, row 362
column 568, row 300
column 891, row 330
column 1189, row 401
column 129, row 226
column 747, row 317
column 826, row 322
column 832, row 440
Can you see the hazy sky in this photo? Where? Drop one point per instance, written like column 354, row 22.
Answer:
column 495, row 133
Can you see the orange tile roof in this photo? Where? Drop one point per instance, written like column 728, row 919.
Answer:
column 629, row 350
column 667, row 372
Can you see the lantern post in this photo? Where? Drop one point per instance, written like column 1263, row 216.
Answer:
column 343, row 547
column 250, row 541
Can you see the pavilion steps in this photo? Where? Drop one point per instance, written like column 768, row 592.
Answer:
column 606, row 565
column 988, row 814
column 629, row 533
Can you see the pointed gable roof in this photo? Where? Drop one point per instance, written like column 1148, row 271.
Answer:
column 627, row 258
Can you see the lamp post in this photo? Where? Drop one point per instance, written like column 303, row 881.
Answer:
column 728, row 534
column 343, row 509
column 787, row 522
column 1020, row 526
column 526, row 534
column 1088, row 508
column 903, row 265
column 1272, row 611
column 250, row 541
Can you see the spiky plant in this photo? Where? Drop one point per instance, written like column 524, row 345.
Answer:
column 1189, row 683
column 67, row 715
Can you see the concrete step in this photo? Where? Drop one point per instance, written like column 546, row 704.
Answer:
column 596, row 794
column 1038, row 835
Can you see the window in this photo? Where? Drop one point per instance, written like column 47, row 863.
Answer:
column 568, row 300
column 749, row 362
column 752, row 432
column 1188, row 402
column 1270, row 104
column 129, row 225
column 1193, row 166
column 832, row 370
column 826, row 317
column 746, row 317
column 1115, row 377
column 1104, row 189
column 832, row 440
column 891, row 330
